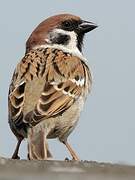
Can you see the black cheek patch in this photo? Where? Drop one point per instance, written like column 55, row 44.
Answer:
column 61, row 39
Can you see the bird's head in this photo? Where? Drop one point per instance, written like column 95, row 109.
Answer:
column 64, row 30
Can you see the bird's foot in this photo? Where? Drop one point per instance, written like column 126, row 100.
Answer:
column 28, row 156
column 15, row 157
column 67, row 159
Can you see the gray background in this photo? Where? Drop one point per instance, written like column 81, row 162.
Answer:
column 106, row 130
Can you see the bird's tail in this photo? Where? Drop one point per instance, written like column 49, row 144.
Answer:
column 37, row 145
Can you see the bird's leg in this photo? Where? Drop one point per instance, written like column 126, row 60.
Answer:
column 15, row 154
column 72, row 152
column 49, row 155
column 37, row 144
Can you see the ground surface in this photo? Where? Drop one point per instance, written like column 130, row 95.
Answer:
column 60, row 170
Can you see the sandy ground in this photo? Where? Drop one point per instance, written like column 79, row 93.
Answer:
column 61, row 170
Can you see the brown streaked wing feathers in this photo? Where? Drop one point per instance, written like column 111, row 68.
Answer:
column 25, row 71
column 59, row 89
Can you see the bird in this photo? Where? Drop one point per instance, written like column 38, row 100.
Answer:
column 49, row 85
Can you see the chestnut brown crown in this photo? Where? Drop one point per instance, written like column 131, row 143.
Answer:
column 67, row 22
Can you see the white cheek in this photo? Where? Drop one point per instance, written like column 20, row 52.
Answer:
column 73, row 41
column 72, row 45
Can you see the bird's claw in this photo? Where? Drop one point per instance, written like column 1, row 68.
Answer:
column 15, row 157
column 67, row 159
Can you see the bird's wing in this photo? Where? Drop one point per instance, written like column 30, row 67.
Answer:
column 67, row 78
column 31, row 67
column 61, row 77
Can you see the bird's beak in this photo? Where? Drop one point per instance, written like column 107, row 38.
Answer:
column 86, row 26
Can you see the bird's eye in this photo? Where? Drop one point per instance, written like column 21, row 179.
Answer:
column 67, row 24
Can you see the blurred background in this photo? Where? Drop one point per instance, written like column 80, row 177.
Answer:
column 106, row 130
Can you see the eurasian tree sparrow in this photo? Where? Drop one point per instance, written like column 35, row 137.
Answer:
column 50, row 85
